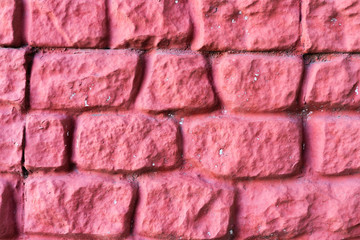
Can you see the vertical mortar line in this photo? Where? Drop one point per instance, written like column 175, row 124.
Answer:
column 18, row 23
column 136, row 202
column 300, row 40
column 29, row 55
column 234, row 211
column 209, row 64
column 71, row 166
column 304, row 113
column 139, row 79
column 107, row 24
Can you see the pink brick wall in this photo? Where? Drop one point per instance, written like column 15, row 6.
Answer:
column 179, row 119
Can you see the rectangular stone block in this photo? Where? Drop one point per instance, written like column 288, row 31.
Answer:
column 149, row 24
column 47, row 141
column 258, row 83
column 11, row 139
column 78, row 204
column 125, row 143
column 12, row 76
column 245, row 25
column 246, row 146
column 332, row 143
column 331, row 26
column 332, row 82
column 67, row 23
column 176, row 82
column 183, row 206
column 84, row 79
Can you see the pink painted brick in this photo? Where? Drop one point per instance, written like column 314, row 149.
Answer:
column 332, row 143
column 47, row 141
column 332, row 82
column 244, row 146
column 258, row 83
column 75, row 204
column 149, row 24
column 12, row 76
column 84, row 79
column 239, row 25
column 11, row 138
column 176, row 81
column 339, row 212
column 331, row 26
column 67, row 23
column 275, row 210
column 125, row 143
column 183, row 206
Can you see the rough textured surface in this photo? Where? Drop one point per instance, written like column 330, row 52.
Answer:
column 331, row 26
column 125, row 143
column 302, row 210
column 258, row 82
column 83, row 79
column 232, row 119
column 47, row 141
column 7, row 224
column 339, row 212
column 67, row 23
column 181, row 206
column 148, row 24
column 10, row 18
column 241, row 147
column 12, row 75
column 332, row 146
column 78, row 205
column 239, row 24
column 176, row 82
column 274, row 211
column 11, row 138
column 333, row 83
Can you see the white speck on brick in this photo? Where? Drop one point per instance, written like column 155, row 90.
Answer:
column 153, row 164
column 233, row 21
column 72, row 95
column 208, row 233
column 221, row 151
column 357, row 90
column 246, row 17
column 67, row 133
column 176, row 1
column 108, row 99
column 86, row 103
column 231, row 232
column 240, row 12
column 115, row 202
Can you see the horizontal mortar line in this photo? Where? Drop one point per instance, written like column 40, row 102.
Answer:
column 269, row 52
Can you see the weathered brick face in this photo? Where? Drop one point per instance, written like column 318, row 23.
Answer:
column 179, row 119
